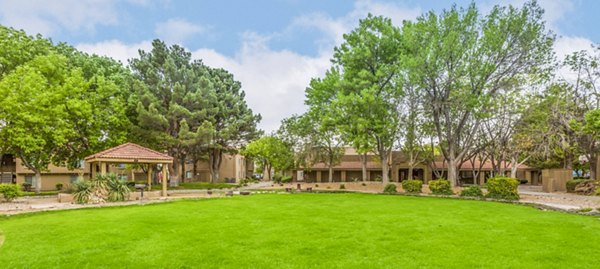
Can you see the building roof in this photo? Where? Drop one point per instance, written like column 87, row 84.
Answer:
column 348, row 165
column 132, row 152
column 354, row 165
column 487, row 165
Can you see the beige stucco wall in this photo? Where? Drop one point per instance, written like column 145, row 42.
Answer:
column 232, row 166
column 49, row 181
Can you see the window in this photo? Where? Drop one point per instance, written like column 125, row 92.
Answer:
column 121, row 166
column 31, row 180
column 188, row 174
column 73, row 178
column 122, row 177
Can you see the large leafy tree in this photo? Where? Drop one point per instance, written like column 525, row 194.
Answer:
column 583, row 95
column 233, row 122
column 58, row 104
column 296, row 132
column 32, row 127
column 270, row 153
column 365, row 97
column 461, row 60
column 171, row 91
column 322, row 121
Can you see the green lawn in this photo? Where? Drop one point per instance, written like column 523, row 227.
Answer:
column 303, row 231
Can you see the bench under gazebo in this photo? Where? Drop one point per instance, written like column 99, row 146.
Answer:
column 130, row 153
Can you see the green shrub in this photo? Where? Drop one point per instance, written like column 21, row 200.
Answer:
column 277, row 178
column 82, row 190
column 440, row 187
column 472, row 191
column 390, row 188
column 412, row 186
column 59, row 186
column 9, row 191
column 26, row 186
column 102, row 188
column 117, row 188
column 571, row 184
column 503, row 188
column 342, row 187
column 286, row 179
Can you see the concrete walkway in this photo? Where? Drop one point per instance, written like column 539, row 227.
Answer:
column 561, row 200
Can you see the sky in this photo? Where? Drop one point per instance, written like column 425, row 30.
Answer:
column 272, row 47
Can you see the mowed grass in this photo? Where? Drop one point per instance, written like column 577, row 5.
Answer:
column 303, row 231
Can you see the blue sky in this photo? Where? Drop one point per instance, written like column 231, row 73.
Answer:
column 273, row 47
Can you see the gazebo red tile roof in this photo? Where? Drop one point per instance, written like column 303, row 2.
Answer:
column 131, row 151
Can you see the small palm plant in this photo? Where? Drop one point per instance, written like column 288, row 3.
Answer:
column 117, row 189
column 100, row 189
column 82, row 191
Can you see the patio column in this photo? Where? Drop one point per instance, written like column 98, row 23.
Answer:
column 92, row 170
column 149, row 177
column 102, row 168
column 343, row 175
column 164, row 180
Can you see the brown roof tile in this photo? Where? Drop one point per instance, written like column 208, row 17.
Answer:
column 130, row 151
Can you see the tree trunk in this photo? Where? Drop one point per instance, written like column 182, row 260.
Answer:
column 452, row 173
column 385, row 171
column 593, row 162
column 214, row 161
column 363, row 161
column 513, row 167
column 195, row 170
column 410, row 171
column 268, row 168
column 38, row 181
column 330, row 172
column 182, row 170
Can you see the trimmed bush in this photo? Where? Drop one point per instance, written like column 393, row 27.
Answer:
column 9, row 191
column 277, row 178
column 342, row 187
column 472, row 191
column 440, row 187
column 390, row 188
column 286, row 179
column 59, row 186
column 503, row 188
column 412, row 186
column 571, row 184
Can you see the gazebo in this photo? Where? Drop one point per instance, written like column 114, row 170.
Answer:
column 133, row 154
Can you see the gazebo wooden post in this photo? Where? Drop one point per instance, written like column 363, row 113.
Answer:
column 149, row 177
column 92, row 170
column 102, row 168
column 164, row 179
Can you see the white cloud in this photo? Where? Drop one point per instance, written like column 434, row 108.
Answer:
column 565, row 46
column 115, row 49
column 47, row 17
column 178, row 30
column 335, row 28
column 274, row 80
